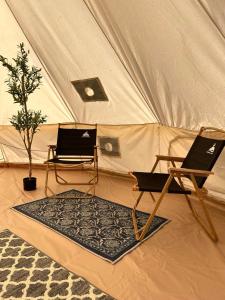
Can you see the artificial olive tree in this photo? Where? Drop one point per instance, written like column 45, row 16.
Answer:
column 22, row 81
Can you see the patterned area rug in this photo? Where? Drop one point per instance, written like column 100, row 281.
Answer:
column 101, row 226
column 26, row 273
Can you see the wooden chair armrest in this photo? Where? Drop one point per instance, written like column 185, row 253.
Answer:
column 167, row 158
column 195, row 172
column 135, row 186
column 170, row 158
column 132, row 175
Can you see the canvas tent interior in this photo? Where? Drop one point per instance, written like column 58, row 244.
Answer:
column 161, row 63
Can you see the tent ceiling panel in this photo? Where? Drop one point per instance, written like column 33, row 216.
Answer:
column 46, row 98
column 72, row 47
column 175, row 52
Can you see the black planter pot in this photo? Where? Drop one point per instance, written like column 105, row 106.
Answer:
column 29, row 184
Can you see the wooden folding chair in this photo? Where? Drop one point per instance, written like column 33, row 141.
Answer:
column 196, row 166
column 76, row 149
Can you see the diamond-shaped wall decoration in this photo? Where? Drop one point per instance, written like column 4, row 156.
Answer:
column 109, row 146
column 90, row 89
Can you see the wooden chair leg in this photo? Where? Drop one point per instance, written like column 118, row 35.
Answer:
column 60, row 180
column 210, row 230
column 96, row 170
column 194, row 212
column 140, row 234
column 47, row 188
column 134, row 218
column 153, row 198
column 53, row 195
column 187, row 198
column 46, row 180
column 57, row 177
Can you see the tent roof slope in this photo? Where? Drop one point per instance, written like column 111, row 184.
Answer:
column 47, row 98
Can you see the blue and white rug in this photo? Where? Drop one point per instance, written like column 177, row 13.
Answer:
column 98, row 225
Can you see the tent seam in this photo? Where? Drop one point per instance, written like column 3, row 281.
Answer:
column 118, row 56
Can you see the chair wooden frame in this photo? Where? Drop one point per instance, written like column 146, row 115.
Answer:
column 87, row 161
column 178, row 173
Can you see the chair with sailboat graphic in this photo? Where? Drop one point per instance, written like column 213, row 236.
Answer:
column 196, row 166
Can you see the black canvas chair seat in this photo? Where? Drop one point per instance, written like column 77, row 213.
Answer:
column 155, row 182
column 69, row 161
column 75, row 149
column 196, row 166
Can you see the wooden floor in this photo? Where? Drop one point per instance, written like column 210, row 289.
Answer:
column 179, row 262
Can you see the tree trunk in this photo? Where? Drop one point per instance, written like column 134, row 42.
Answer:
column 27, row 123
column 30, row 164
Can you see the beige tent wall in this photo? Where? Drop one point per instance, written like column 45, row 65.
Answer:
column 138, row 145
column 72, row 47
column 13, row 149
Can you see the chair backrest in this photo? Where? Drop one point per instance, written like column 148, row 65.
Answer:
column 73, row 141
column 202, row 155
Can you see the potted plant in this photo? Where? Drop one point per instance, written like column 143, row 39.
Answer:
column 23, row 81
